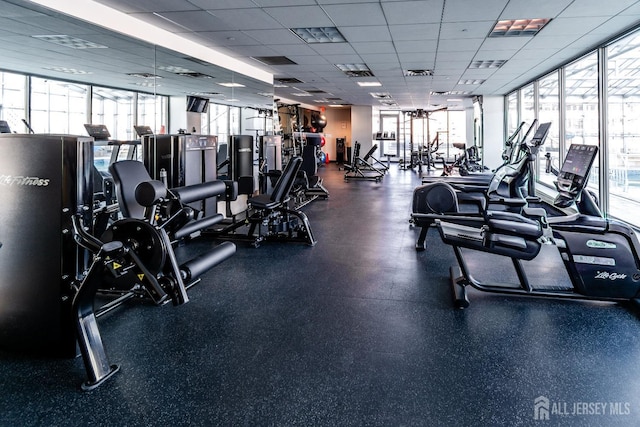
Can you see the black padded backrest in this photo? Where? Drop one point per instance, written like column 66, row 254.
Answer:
column 283, row 186
column 127, row 174
column 309, row 160
column 370, row 152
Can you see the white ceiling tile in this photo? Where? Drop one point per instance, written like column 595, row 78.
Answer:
column 278, row 36
column 460, row 45
column 333, row 48
column 417, row 46
column 300, row 16
column 362, row 14
column 242, row 19
column 527, row 9
column 227, row 38
column 413, row 12
column 379, row 58
column 222, row 4
column 414, row 32
column 473, row 10
column 466, row 30
column 501, row 54
column 369, row 33
column 374, row 47
column 572, row 26
column 596, row 8
column 293, row 49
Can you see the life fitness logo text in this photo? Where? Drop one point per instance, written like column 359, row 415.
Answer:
column 25, row 181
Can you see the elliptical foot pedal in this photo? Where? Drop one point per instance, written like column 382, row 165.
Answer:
column 90, row 385
column 460, row 298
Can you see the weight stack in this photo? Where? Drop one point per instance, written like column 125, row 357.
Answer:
column 44, row 180
column 241, row 153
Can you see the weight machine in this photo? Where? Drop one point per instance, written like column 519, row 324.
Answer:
column 52, row 264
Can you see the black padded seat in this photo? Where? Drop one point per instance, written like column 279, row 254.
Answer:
column 281, row 189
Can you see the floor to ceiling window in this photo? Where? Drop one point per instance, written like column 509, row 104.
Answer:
column 58, row 107
column 152, row 111
column 623, row 144
column 114, row 109
column 581, row 107
column 549, row 111
column 513, row 115
column 570, row 97
column 12, row 100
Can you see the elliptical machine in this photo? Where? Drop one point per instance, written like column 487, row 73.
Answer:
column 601, row 255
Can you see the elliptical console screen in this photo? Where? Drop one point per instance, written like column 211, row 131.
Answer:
column 577, row 164
column 4, row 127
column 541, row 134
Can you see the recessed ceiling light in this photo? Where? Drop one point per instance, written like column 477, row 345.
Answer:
column 68, row 70
column 301, row 94
column 319, row 35
column 231, row 84
column 68, row 41
column 487, row 63
column 369, row 84
column 381, row 95
column 144, row 75
column 147, row 84
column 175, row 69
column 471, row 82
column 518, row 27
column 353, row 67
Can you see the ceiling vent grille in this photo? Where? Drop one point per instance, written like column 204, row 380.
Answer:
column 288, row 80
column 274, row 60
column 418, row 73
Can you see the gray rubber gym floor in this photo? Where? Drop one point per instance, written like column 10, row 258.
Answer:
column 358, row 330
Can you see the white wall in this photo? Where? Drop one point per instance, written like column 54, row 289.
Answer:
column 361, row 127
column 493, row 130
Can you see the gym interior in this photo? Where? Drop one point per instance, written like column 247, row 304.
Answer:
column 319, row 212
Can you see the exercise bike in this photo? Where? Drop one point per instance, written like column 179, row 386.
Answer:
column 601, row 255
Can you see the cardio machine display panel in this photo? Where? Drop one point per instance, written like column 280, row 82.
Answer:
column 4, row 127
column 574, row 172
column 578, row 161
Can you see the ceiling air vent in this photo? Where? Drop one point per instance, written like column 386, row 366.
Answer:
column 418, row 73
column 381, row 95
column 274, row 60
column 195, row 75
column 288, row 80
column 359, row 73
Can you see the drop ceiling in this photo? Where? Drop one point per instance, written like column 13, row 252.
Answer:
column 447, row 38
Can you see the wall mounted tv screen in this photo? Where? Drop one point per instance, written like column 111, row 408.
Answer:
column 196, row 104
